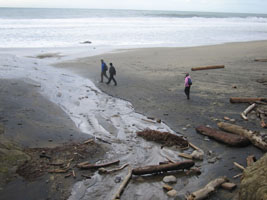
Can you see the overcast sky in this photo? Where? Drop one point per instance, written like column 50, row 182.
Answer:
column 243, row 6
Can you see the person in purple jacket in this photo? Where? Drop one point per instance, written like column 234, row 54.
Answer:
column 187, row 84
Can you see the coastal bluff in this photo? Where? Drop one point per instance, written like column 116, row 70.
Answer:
column 254, row 183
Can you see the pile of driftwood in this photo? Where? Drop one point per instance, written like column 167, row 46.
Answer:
column 164, row 138
column 257, row 104
column 234, row 135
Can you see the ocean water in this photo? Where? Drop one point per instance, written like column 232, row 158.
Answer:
column 33, row 27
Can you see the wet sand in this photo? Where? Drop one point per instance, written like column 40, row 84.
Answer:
column 152, row 80
column 31, row 120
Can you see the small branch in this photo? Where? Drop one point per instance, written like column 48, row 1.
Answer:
column 247, row 110
column 123, row 185
column 238, row 175
column 88, row 141
column 194, row 146
column 93, row 166
column 58, row 170
column 105, row 171
column 239, row 166
column 184, row 155
column 150, row 121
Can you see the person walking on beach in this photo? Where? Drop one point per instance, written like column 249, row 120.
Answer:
column 187, row 84
column 104, row 69
column 112, row 73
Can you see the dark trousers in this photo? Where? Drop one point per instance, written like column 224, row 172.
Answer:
column 102, row 76
column 111, row 77
column 187, row 92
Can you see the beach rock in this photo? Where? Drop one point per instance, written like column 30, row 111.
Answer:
column 212, row 160
column 117, row 179
column 59, row 94
column 87, row 42
column 169, row 179
column 172, row 193
column 254, row 181
column 197, row 154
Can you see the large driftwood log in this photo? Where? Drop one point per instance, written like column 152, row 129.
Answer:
column 207, row 67
column 163, row 168
column 260, row 60
column 255, row 140
column 221, row 136
column 246, row 99
column 85, row 165
column 165, row 138
column 209, row 188
column 123, row 185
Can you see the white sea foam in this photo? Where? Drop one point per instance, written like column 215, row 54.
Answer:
column 106, row 28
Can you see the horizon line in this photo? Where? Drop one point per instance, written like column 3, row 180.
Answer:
column 225, row 12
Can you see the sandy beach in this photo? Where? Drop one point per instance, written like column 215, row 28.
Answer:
column 152, row 80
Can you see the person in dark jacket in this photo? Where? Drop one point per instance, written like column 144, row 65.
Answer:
column 104, row 69
column 112, row 73
column 187, row 84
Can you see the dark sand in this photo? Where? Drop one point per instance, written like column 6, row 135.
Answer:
column 153, row 81
column 30, row 120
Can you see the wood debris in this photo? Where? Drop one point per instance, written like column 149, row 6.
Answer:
column 123, row 185
column 228, row 186
column 207, row 67
column 165, row 138
column 224, row 137
column 246, row 99
column 86, row 165
column 105, row 171
column 239, row 166
column 247, row 110
column 252, row 136
column 209, row 188
column 163, row 168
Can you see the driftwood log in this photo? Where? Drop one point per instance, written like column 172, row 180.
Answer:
column 261, row 60
column 151, row 169
column 123, row 185
column 207, row 67
column 252, row 136
column 224, row 137
column 85, row 165
column 247, row 110
column 209, row 188
column 246, row 100
column 165, row 138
